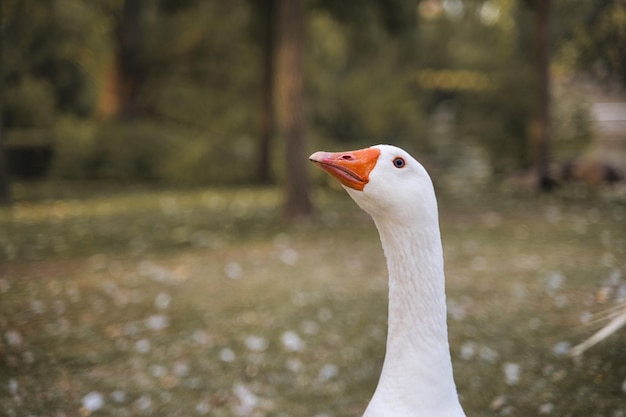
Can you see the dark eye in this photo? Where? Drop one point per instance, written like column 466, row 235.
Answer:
column 399, row 162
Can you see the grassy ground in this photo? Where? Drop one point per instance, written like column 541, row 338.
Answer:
column 131, row 301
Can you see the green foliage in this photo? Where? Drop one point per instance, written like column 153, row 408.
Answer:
column 499, row 120
column 201, row 66
column 494, row 116
column 127, row 151
column 147, row 151
column 30, row 102
column 48, row 49
column 353, row 102
column 74, row 148
column 592, row 36
column 572, row 122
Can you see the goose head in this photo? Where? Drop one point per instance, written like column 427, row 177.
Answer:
column 384, row 180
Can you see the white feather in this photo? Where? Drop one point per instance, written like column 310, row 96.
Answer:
column 416, row 378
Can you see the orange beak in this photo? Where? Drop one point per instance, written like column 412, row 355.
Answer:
column 352, row 169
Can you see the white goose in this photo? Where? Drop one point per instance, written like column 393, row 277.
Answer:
column 395, row 189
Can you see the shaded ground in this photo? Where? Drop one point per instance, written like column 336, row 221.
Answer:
column 203, row 303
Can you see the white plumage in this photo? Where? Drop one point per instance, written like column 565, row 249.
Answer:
column 396, row 190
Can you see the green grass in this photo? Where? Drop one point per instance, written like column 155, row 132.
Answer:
column 203, row 302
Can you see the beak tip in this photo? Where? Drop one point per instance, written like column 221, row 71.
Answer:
column 317, row 156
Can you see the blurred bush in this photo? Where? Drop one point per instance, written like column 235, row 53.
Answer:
column 148, row 151
column 30, row 103
column 199, row 90
column 573, row 127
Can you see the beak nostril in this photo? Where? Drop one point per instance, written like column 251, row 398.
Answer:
column 347, row 157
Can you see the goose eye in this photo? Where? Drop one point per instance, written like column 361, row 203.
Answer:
column 399, row 162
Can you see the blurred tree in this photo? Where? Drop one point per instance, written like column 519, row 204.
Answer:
column 50, row 47
column 361, row 73
column 47, row 54
column 541, row 132
column 489, row 45
column 290, row 106
column 125, row 75
column 5, row 194
column 196, row 80
column 265, row 10
column 591, row 36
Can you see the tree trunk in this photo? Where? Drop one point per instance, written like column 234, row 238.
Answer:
column 5, row 189
column 290, row 106
column 266, row 124
column 541, row 134
column 123, row 78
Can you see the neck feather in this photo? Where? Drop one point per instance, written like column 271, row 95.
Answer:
column 417, row 371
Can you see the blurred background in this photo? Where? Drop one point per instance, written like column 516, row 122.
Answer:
column 167, row 249
column 192, row 92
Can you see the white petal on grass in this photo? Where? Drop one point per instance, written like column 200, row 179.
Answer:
column 118, row 396
column 554, row 281
column 468, row 350
column 201, row 337
column 158, row 371
column 162, row 301
column 181, row 368
column 294, row 365
column 457, row 312
column 561, row 348
column 256, row 343
column 13, row 338
column 511, row 373
column 233, row 270
column 546, row 408
column 248, row 401
column 289, row 256
column 488, row 354
column 328, row 371
column 309, row 327
column 203, row 408
column 158, row 322
column 498, row 402
column 144, row 402
column 13, row 387
column 227, row 355
column 143, row 346
column 93, row 401
column 292, row 341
